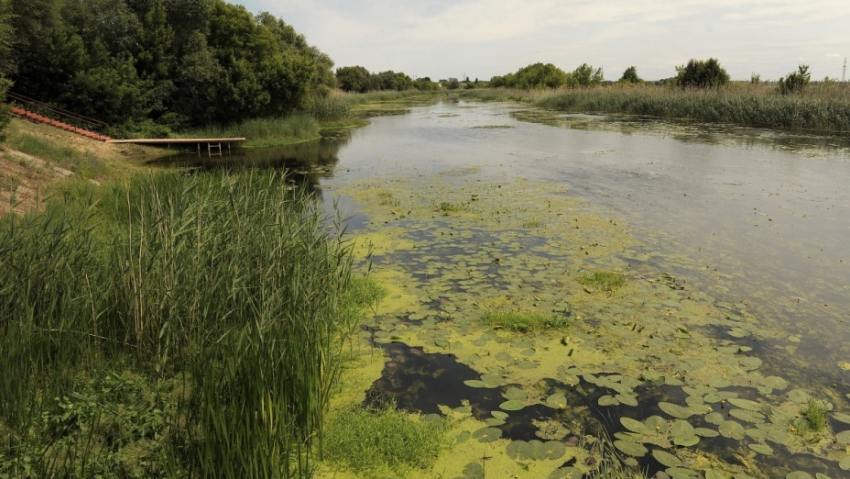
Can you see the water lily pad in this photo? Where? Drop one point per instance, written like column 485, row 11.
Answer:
column 775, row 382
column 566, row 473
column 714, row 418
column 681, row 473
column 819, row 475
column 844, row 464
column 442, row 343
column 761, row 449
column 712, row 474
column 732, row 430
column 799, row 396
column 705, row 432
column 608, row 401
column 487, row 434
column 515, row 394
column 745, row 404
column 632, row 424
column 656, row 423
column 748, row 416
column 711, row 398
column 557, row 401
column 526, row 365
column 739, row 333
column 475, row 383
column 631, row 448
column 499, row 414
column 512, row 405
column 666, row 459
column 463, row 437
column 843, row 437
column 798, row 475
column 750, row 363
column 841, row 417
column 675, row 410
column 494, row 422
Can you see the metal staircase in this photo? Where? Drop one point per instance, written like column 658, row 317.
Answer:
column 36, row 111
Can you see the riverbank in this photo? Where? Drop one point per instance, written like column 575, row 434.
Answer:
column 819, row 108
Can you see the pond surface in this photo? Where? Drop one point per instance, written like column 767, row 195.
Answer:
column 730, row 331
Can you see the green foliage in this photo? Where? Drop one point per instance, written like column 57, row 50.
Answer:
column 536, row 76
column 525, row 321
column 701, row 74
column 452, row 83
column 225, row 296
column 813, row 418
column 630, row 76
column 176, row 62
column 585, row 75
column 755, row 78
column 88, row 165
column 795, row 81
column 358, row 79
column 602, row 280
column 365, row 440
column 264, row 131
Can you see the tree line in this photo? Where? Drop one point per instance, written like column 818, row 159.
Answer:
column 159, row 64
column 358, row 79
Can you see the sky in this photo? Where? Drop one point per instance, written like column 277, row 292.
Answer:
column 483, row 38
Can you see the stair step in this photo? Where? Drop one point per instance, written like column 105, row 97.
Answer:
column 24, row 113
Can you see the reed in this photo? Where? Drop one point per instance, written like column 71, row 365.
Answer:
column 227, row 294
column 263, row 132
column 821, row 107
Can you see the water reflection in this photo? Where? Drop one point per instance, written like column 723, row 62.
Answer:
column 306, row 163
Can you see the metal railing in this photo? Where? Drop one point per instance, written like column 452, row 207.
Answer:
column 56, row 113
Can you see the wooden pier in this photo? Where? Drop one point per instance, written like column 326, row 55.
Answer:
column 212, row 143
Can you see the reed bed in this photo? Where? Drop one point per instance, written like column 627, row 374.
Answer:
column 173, row 325
column 264, row 131
column 821, row 107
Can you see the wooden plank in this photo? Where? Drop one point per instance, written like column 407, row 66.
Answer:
column 177, row 141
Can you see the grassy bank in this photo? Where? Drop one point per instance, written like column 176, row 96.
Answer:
column 336, row 111
column 171, row 326
column 824, row 107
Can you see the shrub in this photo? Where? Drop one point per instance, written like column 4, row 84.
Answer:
column 701, row 74
column 795, row 81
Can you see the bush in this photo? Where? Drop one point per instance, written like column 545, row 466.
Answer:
column 701, row 74
column 795, row 81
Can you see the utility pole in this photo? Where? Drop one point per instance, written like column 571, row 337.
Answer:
column 844, row 71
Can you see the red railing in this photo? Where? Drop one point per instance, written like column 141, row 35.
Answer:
column 56, row 113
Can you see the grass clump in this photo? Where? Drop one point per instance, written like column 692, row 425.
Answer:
column 170, row 325
column 369, row 440
column 525, row 321
column 262, row 132
column 446, row 207
column 602, row 280
column 813, row 418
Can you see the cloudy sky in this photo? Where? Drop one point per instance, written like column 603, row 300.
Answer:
column 482, row 38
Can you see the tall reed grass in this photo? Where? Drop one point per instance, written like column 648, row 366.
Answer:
column 821, row 107
column 229, row 287
column 262, row 132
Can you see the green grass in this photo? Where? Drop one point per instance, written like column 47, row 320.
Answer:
column 86, row 164
column 446, row 207
column 814, row 418
column 172, row 326
column 262, row 132
column 525, row 321
column 368, row 440
column 821, row 107
column 602, row 280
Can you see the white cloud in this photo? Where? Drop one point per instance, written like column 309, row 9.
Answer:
column 489, row 37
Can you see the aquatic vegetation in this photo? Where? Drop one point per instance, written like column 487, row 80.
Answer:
column 227, row 298
column 603, row 280
column 526, row 321
column 813, row 418
column 369, row 440
column 447, row 207
column 261, row 132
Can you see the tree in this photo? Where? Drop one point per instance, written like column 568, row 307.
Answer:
column 353, row 79
column 630, row 76
column 701, row 74
column 795, row 81
column 586, row 76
